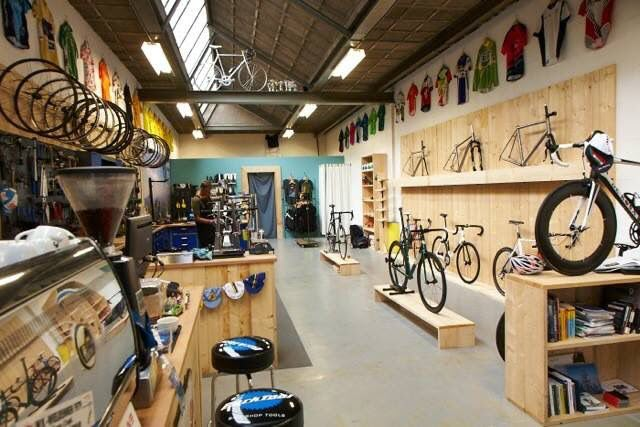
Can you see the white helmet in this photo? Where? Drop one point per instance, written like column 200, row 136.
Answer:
column 527, row 264
column 601, row 142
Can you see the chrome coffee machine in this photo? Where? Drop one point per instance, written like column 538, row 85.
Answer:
column 98, row 196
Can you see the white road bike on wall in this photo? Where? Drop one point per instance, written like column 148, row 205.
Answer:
column 250, row 75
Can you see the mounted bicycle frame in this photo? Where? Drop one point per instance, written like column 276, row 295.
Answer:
column 224, row 77
column 411, row 168
column 515, row 141
column 455, row 162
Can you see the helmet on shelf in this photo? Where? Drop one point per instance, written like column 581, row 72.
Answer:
column 599, row 151
column 527, row 264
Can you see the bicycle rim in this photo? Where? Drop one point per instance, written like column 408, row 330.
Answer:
column 439, row 249
column 331, row 238
column 47, row 377
column 432, row 283
column 342, row 242
column 468, row 263
column 396, row 263
column 501, row 267
column 252, row 77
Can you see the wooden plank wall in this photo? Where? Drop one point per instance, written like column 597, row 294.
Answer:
column 583, row 104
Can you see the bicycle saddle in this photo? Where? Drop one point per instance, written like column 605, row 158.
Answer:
column 515, row 222
column 444, row 215
column 215, row 46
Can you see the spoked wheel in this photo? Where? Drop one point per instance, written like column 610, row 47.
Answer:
column 572, row 249
column 439, row 249
column 252, row 77
column 468, row 263
column 331, row 238
column 8, row 416
column 431, row 282
column 396, row 262
column 342, row 242
column 500, row 338
column 501, row 267
column 43, row 384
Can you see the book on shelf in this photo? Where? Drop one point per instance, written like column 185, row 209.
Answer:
column 593, row 321
column 584, row 375
column 619, row 385
column 589, row 403
column 561, row 320
column 566, row 393
column 616, row 399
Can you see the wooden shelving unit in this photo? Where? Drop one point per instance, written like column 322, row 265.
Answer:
column 528, row 352
column 374, row 198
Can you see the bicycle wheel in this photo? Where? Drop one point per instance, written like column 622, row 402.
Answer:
column 570, row 250
column 396, row 262
column 439, row 249
column 501, row 267
column 500, row 337
column 432, row 284
column 8, row 416
column 342, row 242
column 468, row 263
column 331, row 238
column 252, row 77
column 46, row 378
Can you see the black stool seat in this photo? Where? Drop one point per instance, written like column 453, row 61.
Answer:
column 260, row 407
column 242, row 355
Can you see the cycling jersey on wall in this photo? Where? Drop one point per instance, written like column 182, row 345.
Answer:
column 463, row 67
column 69, row 49
column 291, row 190
column 128, row 102
column 513, row 48
column 341, row 141
column 365, row 127
column 399, row 106
column 425, row 94
column 137, row 110
column 373, row 121
column 105, row 81
column 382, row 110
column 346, row 137
column 411, row 97
column 598, row 22
column 485, row 77
column 14, row 22
column 46, row 35
column 118, row 95
column 358, row 129
column 553, row 26
column 442, row 85
column 352, row 133
column 87, row 65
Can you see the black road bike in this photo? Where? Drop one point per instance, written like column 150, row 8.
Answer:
column 336, row 236
column 514, row 151
column 459, row 154
column 576, row 224
column 432, row 283
column 467, row 256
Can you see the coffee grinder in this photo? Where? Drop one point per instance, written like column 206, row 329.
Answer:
column 98, row 196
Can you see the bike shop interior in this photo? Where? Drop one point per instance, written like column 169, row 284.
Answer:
column 235, row 212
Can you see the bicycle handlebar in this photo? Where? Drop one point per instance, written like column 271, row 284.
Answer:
column 462, row 227
column 554, row 148
column 548, row 114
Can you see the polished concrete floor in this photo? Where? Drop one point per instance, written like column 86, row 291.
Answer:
column 374, row 367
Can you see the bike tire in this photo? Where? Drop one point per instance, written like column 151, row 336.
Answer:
column 396, row 262
column 8, row 417
column 439, row 249
column 473, row 256
column 432, row 297
column 498, row 264
column 500, row 338
column 252, row 77
column 343, row 245
column 49, row 377
column 331, row 238
column 546, row 246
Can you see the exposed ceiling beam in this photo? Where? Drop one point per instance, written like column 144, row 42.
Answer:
column 262, row 56
column 253, row 109
column 321, row 16
column 242, row 129
column 164, row 96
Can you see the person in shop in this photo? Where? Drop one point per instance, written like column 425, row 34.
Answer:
column 201, row 207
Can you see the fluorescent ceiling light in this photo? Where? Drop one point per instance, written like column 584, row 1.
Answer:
column 197, row 134
column 348, row 63
column 184, row 109
column 288, row 133
column 156, row 57
column 308, row 110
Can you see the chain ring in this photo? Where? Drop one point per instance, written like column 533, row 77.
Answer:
column 634, row 233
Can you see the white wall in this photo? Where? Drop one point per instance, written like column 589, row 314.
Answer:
column 621, row 49
column 244, row 145
column 380, row 143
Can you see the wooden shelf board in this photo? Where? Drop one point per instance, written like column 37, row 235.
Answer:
column 551, row 280
column 367, row 215
column 381, row 210
column 380, row 190
column 634, row 406
column 590, row 342
column 368, row 200
column 369, row 230
column 538, row 173
column 367, row 185
column 367, row 171
column 379, row 200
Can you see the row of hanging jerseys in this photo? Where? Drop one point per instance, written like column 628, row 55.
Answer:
column 301, row 216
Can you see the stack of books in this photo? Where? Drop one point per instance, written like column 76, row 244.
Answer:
column 572, row 388
column 626, row 318
column 562, row 394
column 593, row 321
column 561, row 320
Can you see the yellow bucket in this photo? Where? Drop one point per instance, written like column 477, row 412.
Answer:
column 393, row 233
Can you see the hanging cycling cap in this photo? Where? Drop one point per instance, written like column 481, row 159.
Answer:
column 234, row 290
column 212, row 297
column 254, row 283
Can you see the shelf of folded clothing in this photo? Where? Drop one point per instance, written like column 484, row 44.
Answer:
column 579, row 342
column 507, row 175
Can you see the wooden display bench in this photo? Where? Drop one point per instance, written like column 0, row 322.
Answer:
column 345, row 267
column 528, row 352
column 454, row 331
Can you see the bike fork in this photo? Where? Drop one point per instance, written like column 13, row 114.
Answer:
column 593, row 193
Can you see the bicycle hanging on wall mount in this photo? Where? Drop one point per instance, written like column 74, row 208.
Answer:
column 461, row 150
column 417, row 160
column 514, row 152
column 250, row 74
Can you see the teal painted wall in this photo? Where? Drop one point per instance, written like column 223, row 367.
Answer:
column 193, row 171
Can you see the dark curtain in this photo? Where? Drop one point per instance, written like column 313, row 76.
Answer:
column 262, row 185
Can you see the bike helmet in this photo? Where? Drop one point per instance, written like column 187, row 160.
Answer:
column 527, row 264
column 599, row 151
column 234, row 290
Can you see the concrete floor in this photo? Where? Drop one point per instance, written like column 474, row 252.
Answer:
column 374, row 367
